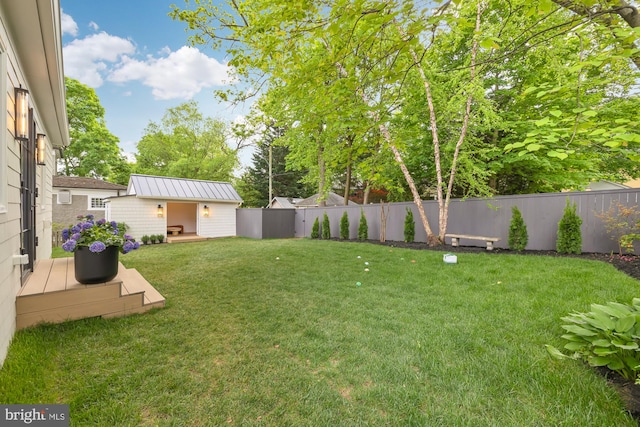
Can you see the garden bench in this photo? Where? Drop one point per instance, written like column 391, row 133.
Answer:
column 489, row 240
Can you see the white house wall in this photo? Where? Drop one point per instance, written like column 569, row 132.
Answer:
column 221, row 221
column 10, row 208
column 140, row 215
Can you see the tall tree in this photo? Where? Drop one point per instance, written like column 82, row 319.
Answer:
column 254, row 184
column 188, row 145
column 94, row 151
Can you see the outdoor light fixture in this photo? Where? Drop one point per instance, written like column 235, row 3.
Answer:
column 206, row 211
column 160, row 211
column 22, row 114
column 41, row 145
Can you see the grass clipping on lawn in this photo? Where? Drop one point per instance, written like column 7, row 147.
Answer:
column 278, row 332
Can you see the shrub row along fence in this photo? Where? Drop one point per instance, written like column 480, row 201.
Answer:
column 482, row 217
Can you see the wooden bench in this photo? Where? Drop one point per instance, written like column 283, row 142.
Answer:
column 489, row 240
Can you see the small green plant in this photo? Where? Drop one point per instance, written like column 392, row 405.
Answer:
column 622, row 224
column 569, row 233
column 315, row 229
column 160, row 238
column 326, row 227
column 518, row 236
column 344, row 226
column 145, row 239
column 154, row 238
column 608, row 336
column 409, row 227
column 363, row 228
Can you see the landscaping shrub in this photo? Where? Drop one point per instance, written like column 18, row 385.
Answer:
column 608, row 336
column 315, row 230
column 326, row 228
column 622, row 224
column 145, row 239
column 518, row 236
column 344, row 226
column 569, row 233
column 363, row 228
column 409, row 227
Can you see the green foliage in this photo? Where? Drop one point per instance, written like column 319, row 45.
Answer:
column 569, row 234
column 186, row 144
column 608, row 335
column 315, row 230
column 518, row 236
column 344, row 226
column 253, row 187
column 622, row 224
column 326, row 227
column 363, row 228
column 145, row 239
column 409, row 227
column 94, row 151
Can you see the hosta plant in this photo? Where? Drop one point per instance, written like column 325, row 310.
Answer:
column 608, row 335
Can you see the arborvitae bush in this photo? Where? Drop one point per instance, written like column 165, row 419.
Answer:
column 326, row 228
column 569, row 233
column 409, row 227
column 344, row 226
column 315, row 230
column 518, row 236
column 363, row 228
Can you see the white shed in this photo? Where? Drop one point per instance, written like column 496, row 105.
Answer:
column 176, row 207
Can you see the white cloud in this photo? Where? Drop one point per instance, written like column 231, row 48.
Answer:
column 180, row 75
column 94, row 26
column 69, row 26
column 86, row 59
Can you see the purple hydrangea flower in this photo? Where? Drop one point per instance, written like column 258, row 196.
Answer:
column 127, row 247
column 76, row 236
column 90, row 216
column 65, row 234
column 136, row 245
column 101, row 221
column 69, row 245
column 75, row 229
column 86, row 225
column 128, row 237
column 97, row 247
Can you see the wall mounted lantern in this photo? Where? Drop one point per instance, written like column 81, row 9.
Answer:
column 206, row 211
column 22, row 114
column 160, row 211
column 41, row 146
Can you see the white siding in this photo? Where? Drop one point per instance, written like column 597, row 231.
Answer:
column 139, row 214
column 221, row 221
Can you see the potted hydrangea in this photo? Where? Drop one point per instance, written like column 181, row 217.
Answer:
column 95, row 246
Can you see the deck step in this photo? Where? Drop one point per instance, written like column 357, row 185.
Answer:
column 51, row 294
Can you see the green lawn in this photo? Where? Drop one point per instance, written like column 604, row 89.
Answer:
column 249, row 339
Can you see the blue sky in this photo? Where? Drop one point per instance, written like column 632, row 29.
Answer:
column 139, row 63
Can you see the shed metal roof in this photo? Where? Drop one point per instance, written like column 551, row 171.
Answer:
column 162, row 187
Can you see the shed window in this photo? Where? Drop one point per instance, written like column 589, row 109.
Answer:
column 97, row 203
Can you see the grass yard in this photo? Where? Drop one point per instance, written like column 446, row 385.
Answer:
column 248, row 339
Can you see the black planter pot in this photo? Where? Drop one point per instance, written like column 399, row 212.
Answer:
column 97, row 267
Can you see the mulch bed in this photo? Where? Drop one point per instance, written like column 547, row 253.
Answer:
column 629, row 264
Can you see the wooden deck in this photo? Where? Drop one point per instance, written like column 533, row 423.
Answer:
column 185, row 237
column 52, row 294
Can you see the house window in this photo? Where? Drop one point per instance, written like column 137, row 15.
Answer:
column 96, row 203
column 64, row 197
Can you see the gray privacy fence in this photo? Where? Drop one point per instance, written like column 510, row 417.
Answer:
column 483, row 217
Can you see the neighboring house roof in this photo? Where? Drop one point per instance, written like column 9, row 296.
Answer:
column 83, row 182
column 162, row 187
column 36, row 28
column 332, row 199
column 285, row 202
column 605, row 185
